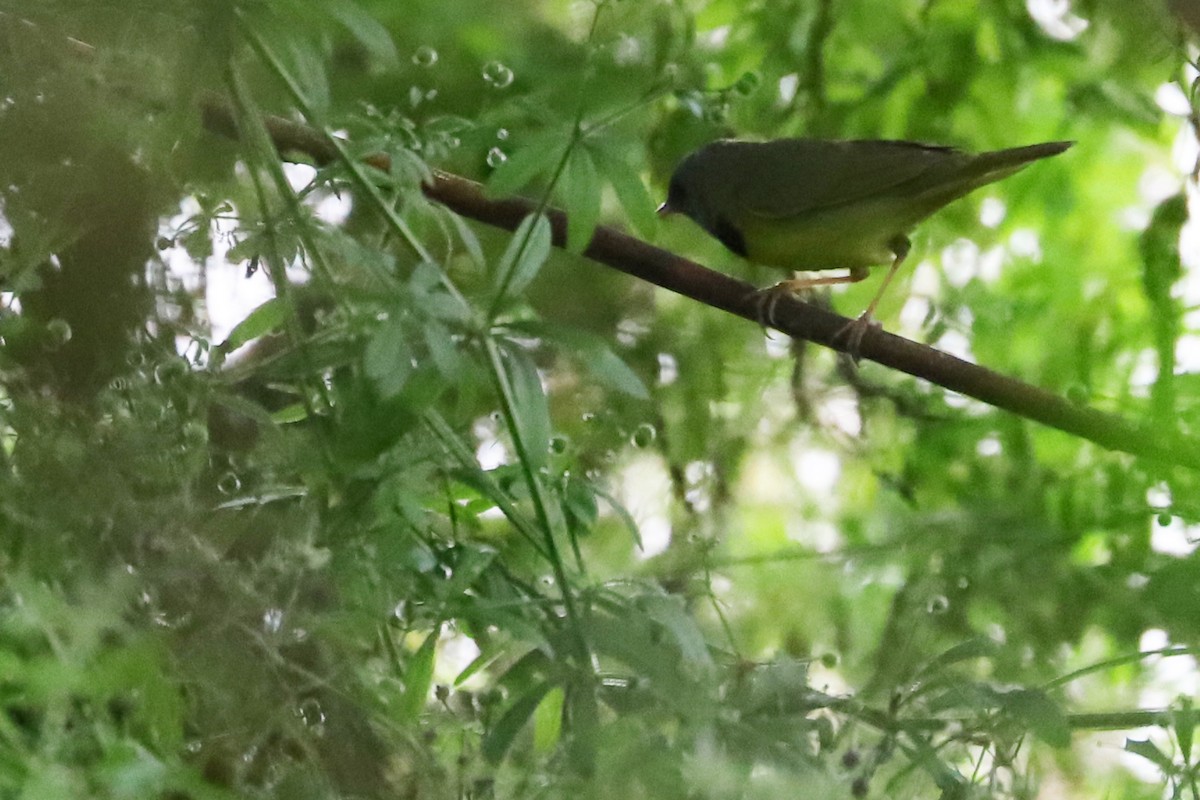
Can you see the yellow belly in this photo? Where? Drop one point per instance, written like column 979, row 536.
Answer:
column 843, row 238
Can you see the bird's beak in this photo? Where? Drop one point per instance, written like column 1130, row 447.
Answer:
column 664, row 210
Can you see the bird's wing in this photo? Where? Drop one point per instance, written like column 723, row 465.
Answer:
column 790, row 177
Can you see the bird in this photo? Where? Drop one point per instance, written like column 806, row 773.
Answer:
column 809, row 205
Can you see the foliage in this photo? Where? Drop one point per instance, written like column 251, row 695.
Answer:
column 404, row 530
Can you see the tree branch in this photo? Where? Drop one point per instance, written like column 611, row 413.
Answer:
column 620, row 251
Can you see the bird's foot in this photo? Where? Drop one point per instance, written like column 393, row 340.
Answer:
column 852, row 333
column 767, row 300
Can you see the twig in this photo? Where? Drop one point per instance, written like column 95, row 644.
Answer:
column 813, row 83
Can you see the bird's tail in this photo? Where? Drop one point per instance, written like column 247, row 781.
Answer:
column 1002, row 163
column 967, row 173
column 979, row 170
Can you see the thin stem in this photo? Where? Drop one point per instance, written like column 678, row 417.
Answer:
column 250, row 121
column 455, row 448
column 1095, row 721
column 577, row 135
column 814, row 72
column 537, row 493
column 1119, row 661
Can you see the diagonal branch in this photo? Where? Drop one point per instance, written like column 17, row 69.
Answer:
column 620, row 251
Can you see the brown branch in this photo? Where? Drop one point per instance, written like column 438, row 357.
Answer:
column 620, row 251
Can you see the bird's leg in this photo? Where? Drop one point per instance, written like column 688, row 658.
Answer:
column 769, row 298
column 855, row 330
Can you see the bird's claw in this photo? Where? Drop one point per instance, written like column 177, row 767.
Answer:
column 767, row 300
column 852, row 332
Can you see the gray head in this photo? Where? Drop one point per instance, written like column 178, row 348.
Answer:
column 699, row 188
column 686, row 192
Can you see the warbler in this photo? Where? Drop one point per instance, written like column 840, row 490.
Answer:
column 820, row 204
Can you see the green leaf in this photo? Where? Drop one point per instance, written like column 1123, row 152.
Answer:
column 486, row 658
column 540, row 153
column 978, row 647
column 408, row 170
column 365, row 29
column 472, row 563
column 527, row 251
column 579, row 503
column 627, row 635
column 630, row 190
column 442, row 350
column 670, row 612
column 610, row 371
column 263, row 320
column 418, row 678
column 780, row 686
column 469, row 240
column 248, row 247
column 547, row 721
column 428, row 294
column 946, row 777
column 296, row 412
column 1149, row 751
column 498, row 740
column 1184, row 721
column 623, row 514
column 593, row 353
column 307, row 68
column 530, row 406
column 388, row 358
column 1040, row 713
column 581, row 187
column 946, row 691
column 234, row 406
